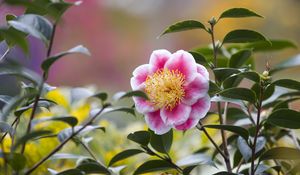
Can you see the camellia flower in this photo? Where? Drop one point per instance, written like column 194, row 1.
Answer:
column 177, row 89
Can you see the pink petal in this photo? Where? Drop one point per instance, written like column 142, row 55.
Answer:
column 143, row 106
column 199, row 110
column 155, row 123
column 196, row 89
column 183, row 62
column 177, row 115
column 140, row 75
column 158, row 59
column 203, row 71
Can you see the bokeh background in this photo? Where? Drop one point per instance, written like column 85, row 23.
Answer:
column 121, row 34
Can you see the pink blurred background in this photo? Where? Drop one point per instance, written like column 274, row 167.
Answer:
column 121, row 34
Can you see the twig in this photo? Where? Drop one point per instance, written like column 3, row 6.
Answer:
column 87, row 148
column 210, row 139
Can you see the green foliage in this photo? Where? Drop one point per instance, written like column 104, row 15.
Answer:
column 183, row 26
column 238, row 13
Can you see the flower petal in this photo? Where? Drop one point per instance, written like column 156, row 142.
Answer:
column 155, row 123
column 142, row 105
column 203, row 71
column 183, row 62
column 177, row 115
column 196, row 89
column 199, row 110
column 158, row 59
column 140, row 75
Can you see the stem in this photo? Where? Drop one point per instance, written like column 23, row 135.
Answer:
column 87, row 148
column 36, row 100
column 224, row 140
column 148, row 150
column 222, row 121
column 211, row 139
column 257, row 129
column 58, row 147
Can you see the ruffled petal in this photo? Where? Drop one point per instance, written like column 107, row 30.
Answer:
column 199, row 110
column 196, row 89
column 143, row 106
column 203, row 71
column 155, row 123
column 140, row 75
column 158, row 59
column 183, row 62
column 177, row 115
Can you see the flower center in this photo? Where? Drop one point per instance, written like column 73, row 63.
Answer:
column 165, row 88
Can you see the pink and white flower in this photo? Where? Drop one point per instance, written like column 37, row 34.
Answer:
column 177, row 88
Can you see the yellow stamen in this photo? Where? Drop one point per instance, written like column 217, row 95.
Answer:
column 165, row 88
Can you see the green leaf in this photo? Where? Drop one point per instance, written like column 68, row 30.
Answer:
column 239, row 93
column 35, row 25
column 199, row 58
column 283, row 153
column 240, row 58
column 134, row 94
column 21, row 72
column 9, row 17
column 70, row 120
column 195, row 159
column 235, row 79
column 66, row 133
column 276, row 45
column 235, row 129
column 235, row 114
column 239, row 13
column 223, row 73
column 289, row 63
column 124, row 155
column 183, row 26
column 5, row 98
column 152, row 166
column 162, row 143
column 16, row 161
column 140, row 137
column 285, row 118
column 243, row 36
column 92, row 167
column 101, row 95
column 119, row 109
column 30, row 136
column 213, row 88
column 71, row 172
column 14, row 37
column 246, row 151
column 288, row 83
column 224, row 173
column 48, row 62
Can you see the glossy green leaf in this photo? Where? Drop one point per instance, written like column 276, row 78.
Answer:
column 239, row 13
column 140, row 137
column 289, row 63
column 101, row 95
column 288, row 83
column 235, row 79
column 246, row 151
column 92, row 167
column 16, row 161
column 20, row 72
column 124, row 155
column 282, row 153
column 285, row 118
column 240, row 58
column 66, row 133
column 235, row 129
column 195, row 159
column 14, row 37
column 48, row 62
column 35, row 25
column 183, row 26
column 239, row 93
column 243, row 36
column 213, row 88
column 225, row 173
column 30, row 136
column 71, row 172
column 5, row 98
column 199, row 58
column 4, row 127
column 276, row 45
column 153, row 166
column 161, row 143
column 70, row 120
column 235, row 114
column 223, row 73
